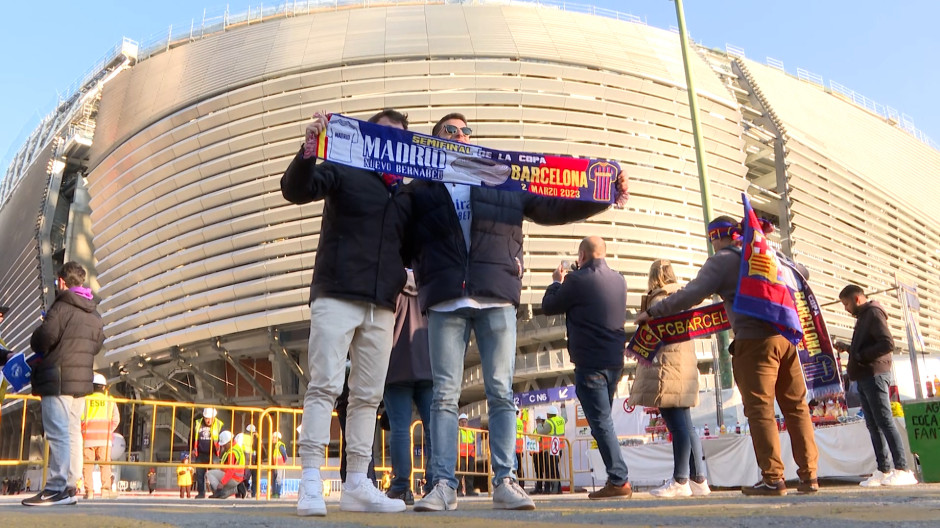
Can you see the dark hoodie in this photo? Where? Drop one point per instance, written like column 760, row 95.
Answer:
column 872, row 344
column 410, row 360
column 68, row 340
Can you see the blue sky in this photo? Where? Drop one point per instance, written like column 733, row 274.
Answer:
column 886, row 51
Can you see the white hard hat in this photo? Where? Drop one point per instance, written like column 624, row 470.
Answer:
column 540, row 417
column 99, row 379
column 239, row 438
column 463, row 416
column 209, row 412
column 251, row 428
column 552, row 409
column 276, row 434
column 225, row 437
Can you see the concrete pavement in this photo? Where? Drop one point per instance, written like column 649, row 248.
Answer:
column 845, row 505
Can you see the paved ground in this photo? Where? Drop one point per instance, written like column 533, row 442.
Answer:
column 837, row 505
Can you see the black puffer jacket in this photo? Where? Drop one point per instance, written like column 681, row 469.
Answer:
column 68, row 339
column 435, row 242
column 872, row 343
column 358, row 257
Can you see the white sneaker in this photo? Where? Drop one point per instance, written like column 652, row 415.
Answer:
column 442, row 497
column 672, row 489
column 900, row 477
column 699, row 490
column 367, row 498
column 508, row 495
column 874, row 480
column 310, row 498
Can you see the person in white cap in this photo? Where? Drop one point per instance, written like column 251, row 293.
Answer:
column 278, row 458
column 251, row 447
column 538, row 457
column 99, row 421
column 556, row 425
column 467, row 456
column 206, row 445
column 224, row 482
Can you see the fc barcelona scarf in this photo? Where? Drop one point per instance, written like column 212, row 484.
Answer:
column 771, row 289
column 390, row 150
column 691, row 324
column 764, row 286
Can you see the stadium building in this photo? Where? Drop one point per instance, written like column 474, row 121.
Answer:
column 161, row 174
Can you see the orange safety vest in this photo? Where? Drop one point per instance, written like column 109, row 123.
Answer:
column 99, row 419
column 468, row 443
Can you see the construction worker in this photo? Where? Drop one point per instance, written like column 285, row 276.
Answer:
column 252, row 449
column 206, row 446
column 100, row 419
column 540, row 458
column 184, row 475
column 224, row 482
column 278, row 458
column 467, row 455
column 520, row 446
column 557, row 431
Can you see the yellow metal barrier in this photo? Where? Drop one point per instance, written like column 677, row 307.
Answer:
column 473, row 466
column 273, row 420
column 545, row 460
column 156, row 433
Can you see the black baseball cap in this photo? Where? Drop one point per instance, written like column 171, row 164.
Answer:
column 4, row 309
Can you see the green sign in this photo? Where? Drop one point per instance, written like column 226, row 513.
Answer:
column 922, row 418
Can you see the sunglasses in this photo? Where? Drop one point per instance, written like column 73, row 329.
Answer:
column 451, row 129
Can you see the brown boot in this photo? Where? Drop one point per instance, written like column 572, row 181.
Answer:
column 611, row 491
column 808, row 486
column 764, row 488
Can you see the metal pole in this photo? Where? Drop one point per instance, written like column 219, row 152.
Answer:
column 724, row 359
column 911, row 345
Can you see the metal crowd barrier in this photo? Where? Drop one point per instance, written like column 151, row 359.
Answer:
column 159, row 431
column 538, row 465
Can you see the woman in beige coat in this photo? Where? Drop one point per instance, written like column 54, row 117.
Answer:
column 671, row 384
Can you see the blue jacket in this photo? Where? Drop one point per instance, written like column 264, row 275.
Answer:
column 594, row 299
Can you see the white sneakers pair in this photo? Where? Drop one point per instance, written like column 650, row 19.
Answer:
column 363, row 498
column 896, row 477
column 673, row 489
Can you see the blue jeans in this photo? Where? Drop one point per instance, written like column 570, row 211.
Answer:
column 398, row 398
column 876, row 405
column 62, row 425
column 686, row 445
column 448, row 336
column 595, row 389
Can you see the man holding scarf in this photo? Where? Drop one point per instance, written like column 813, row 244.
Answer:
column 466, row 244
column 766, row 366
column 358, row 275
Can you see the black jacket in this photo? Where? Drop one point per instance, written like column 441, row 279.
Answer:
column 594, row 299
column 872, row 343
column 68, row 339
column 434, row 240
column 358, row 256
column 410, row 360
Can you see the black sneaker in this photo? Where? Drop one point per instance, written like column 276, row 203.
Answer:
column 405, row 495
column 765, row 488
column 50, row 498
